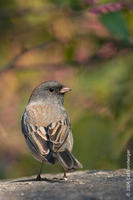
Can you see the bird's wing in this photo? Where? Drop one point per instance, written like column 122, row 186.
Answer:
column 46, row 139
column 58, row 133
column 36, row 138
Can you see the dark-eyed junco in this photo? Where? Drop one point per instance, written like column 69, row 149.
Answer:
column 46, row 127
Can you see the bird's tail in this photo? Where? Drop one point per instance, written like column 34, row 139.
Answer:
column 67, row 160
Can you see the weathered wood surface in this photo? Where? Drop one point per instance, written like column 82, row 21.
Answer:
column 81, row 185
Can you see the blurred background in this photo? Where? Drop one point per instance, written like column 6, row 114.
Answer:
column 86, row 45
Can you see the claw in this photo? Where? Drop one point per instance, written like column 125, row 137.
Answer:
column 65, row 178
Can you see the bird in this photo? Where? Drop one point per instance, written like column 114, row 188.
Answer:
column 46, row 127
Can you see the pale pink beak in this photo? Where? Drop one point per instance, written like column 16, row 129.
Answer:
column 64, row 90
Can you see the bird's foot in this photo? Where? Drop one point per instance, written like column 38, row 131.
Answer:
column 65, row 178
column 38, row 178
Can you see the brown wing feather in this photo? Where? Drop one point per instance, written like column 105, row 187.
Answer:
column 58, row 133
column 38, row 139
column 42, row 131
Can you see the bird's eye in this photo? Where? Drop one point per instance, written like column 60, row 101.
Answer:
column 51, row 89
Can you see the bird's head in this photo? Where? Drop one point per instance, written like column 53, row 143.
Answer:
column 50, row 91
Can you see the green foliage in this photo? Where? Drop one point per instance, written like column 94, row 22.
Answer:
column 92, row 132
column 74, row 4
column 116, row 24
column 69, row 52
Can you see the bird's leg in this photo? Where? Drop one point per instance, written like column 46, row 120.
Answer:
column 38, row 178
column 65, row 177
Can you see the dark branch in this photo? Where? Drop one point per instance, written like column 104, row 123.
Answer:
column 108, row 46
column 12, row 63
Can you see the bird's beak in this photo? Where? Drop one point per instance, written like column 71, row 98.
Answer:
column 64, row 90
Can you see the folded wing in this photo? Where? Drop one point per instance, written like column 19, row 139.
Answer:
column 46, row 140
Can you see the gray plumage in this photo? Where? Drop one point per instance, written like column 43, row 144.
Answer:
column 46, row 126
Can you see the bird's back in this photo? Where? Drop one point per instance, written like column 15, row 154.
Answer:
column 43, row 115
column 46, row 129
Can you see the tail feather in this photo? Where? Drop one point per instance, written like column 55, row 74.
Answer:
column 67, row 160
